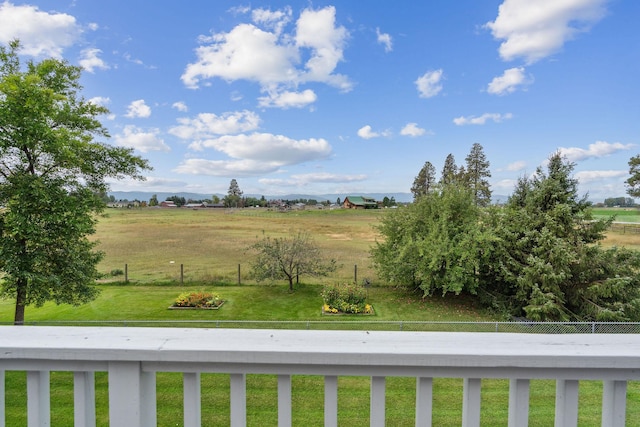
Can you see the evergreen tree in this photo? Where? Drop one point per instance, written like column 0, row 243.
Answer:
column 633, row 183
column 545, row 263
column 476, row 175
column 449, row 171
column 424, row 182
column 233, row 198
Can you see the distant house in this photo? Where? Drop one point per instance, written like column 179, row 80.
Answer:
column 215, row 205
column 168, row 204
column 359, row 202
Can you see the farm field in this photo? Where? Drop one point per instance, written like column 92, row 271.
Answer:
column 211, row 244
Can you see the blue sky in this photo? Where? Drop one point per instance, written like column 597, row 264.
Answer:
column 350, row 97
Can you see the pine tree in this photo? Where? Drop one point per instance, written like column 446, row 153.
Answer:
column 450, row 171
column 424, row 182
column 476, row 175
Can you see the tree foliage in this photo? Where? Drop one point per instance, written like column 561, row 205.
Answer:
column 434, row 244
column 548, row 266
column 285, row 258
column 233, row 198
column 538, row 256
column 450, row 172
column 424, row 182
column 52, row 174
column 633, row 182
column 476, row 174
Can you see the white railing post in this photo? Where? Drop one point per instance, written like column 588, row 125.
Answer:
column 38, row 400
column 284, row 400
column 238, row 400
column 566, row 403
column 377, row 398
column 518, row 402
column 192, row 401
column 331, row 401
column 471, row 402
column 149, row 413
column 614, row 406
column 125, row 394
column 84, row 399
column 424, row 402
column 2, row 402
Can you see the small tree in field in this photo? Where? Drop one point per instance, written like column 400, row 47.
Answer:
column 287, row 257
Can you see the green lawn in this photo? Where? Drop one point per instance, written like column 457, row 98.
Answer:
column 249, row 302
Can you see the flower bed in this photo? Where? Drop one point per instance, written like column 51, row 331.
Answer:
column 197, row 300
column 345, row 299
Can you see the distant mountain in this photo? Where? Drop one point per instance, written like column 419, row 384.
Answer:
column 162, row 195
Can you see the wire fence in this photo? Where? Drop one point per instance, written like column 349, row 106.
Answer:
column 364, row 325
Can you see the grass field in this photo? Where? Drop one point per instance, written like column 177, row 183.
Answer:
column 210, row 244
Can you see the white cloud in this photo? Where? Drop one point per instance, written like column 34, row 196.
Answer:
column 585, row 177
column 255, row 154
column 272, row 57
column 481, row 120
column 141, row 140
column 275, row 20
column 312, row 178
column 138, row 109
column 385, row 40
column 225, row 167
column 516, row 166
column 268, row 147
column 412, row 129
column 288, row 99
column 40, row 33
column 429, row 83
column 509, row 81
column 89, row 60
column 208, row 125
column 366, row 132
column 536, row 29
column 596, row 150
column 100, row 100
column 180, row 106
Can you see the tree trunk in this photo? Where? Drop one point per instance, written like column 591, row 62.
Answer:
column 21, row 295
column 290, row 283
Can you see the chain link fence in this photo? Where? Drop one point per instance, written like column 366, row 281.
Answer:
column 364, row 325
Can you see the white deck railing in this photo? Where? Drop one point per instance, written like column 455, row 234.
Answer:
column 132, row 356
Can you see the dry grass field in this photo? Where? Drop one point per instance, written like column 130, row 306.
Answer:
column 211, row 243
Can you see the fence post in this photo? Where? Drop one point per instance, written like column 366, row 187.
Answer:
column 238, row 274
column 126, row 273
column 181, row 274
column 355, row 274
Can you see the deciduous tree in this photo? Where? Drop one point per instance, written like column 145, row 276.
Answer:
column 52, row 173
column 288, row 257
column 633, row 182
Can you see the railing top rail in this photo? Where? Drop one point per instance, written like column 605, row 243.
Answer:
column 316, row 348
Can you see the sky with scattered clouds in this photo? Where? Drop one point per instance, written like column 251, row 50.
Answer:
column 350, row 97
